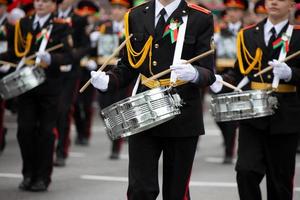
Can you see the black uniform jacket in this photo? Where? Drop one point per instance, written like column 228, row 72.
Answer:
column 62, row 56
column 285, row 119
column 199, row 32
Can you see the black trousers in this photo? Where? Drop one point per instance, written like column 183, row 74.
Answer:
column 83, row 108
column 261, row 154
column 228, row 130
column 37, row 115
column 144, row 153
column 65, row 113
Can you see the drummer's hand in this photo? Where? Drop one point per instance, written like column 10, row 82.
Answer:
column 185, row 72
column 281, row 70
column 45, row 57
column 99, row 80
column 217, row 85
column 91, row 65
column 4, row 68
column 94, row 37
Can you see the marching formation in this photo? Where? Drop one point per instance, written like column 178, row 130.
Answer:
column 150, row 65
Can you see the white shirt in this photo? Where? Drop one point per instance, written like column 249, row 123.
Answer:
column 64, row 14
column 268, row 26
column 234, row 27
column 170, row 8
column 118, row 26
column 41, row 20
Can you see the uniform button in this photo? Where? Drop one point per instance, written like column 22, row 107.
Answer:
column 269, row 76
column 156, row 46
column 154, row 63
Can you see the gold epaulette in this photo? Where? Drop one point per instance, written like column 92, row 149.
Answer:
column 199, row 8
column 67, row 21
column 296, row 26
column 249, row 26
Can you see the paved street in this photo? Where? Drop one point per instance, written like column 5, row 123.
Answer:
column 90, row 175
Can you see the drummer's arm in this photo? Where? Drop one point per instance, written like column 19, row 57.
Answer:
column 123, row 74
column 204, row 66
column 295, row 79
column 62, row 56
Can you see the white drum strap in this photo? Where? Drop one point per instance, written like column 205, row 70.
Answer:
column 180, row 40
column 136, row 85
column 44, row 44
column 179, row 46
column 283, row 53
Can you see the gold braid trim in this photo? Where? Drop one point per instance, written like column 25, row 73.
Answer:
column 132, row 54
column 20, row 42
column 251, row 62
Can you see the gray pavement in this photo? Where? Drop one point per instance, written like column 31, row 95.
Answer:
column 90, row 175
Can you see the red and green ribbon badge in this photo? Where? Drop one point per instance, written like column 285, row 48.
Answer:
column 282, row 42
column 172, row 29
column 41, row 35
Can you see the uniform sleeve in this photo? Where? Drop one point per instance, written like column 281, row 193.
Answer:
column 62, row 56
column 205, row 65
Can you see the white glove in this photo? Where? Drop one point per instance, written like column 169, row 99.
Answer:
column 94, row 37
column 44, row 56
column 281, row 70
column 185, row 72
column 4, row 68
column 91, row 65
column 100, row 80
column 217, row 85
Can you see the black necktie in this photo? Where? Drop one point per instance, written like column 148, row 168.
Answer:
column 37, row 27
column 272, row 39
column 159, row 29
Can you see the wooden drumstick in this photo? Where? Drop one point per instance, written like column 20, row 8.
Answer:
column 230, row 85
column 48, row 50
column 297, row 53
column 167, row 71
column 2, row 62
column 106, row 62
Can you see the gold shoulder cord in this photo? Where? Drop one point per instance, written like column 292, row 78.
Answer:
column 251, row 62
column 20, row 42
column 132, row 54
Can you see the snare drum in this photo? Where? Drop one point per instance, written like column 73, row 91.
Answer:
column 141, row 112
column 242, row 105
column 21, row 81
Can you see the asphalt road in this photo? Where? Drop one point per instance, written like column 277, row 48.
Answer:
column 90, row 175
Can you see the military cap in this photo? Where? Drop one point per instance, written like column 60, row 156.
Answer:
column 86, row 7
column 259, row 7
column 241, row 4
column 125, row 3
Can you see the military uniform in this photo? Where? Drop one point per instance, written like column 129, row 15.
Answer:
column 3, row 49
column 71, row 75
column 83, row 109
column 37, row 109
column 177, row 138
column 267, row 145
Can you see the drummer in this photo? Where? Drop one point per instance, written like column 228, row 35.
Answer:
column 226, row 49
column 267, row 145
column 177, row 139
column 37, row 109
column 3, row 68
column 114, row 27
